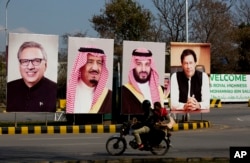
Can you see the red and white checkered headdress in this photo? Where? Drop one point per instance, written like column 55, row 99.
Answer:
column 145, row 54
column 75, row 75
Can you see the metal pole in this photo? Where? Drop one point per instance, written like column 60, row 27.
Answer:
column 186, row 20
column 6, row 23
column 119, row 73
column 187, row 118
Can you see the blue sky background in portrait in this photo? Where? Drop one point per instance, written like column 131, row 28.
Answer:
column 55, row 17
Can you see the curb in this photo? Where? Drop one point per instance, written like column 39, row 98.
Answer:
column 215, row 103
column 192, row 125
column 90, row 128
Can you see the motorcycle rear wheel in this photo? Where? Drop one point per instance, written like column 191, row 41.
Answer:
column 161, row 149
column 115, row 146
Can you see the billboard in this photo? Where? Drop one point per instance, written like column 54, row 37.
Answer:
column 190, row 70
column 142, row 75
column 230, row 87
column 89, row 75
column 32, row 72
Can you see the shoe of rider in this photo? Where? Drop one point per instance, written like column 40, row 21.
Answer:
column 140, row 146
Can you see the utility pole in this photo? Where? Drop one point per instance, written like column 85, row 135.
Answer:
column 6, row 24
column 187, row 118
column 187, row 21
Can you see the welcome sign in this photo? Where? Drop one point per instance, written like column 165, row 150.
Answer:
column 230, row 87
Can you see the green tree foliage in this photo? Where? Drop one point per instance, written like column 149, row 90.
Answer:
column 214, row 21
column 242, row 39
column 67, row 35
column 62, row 66
column 123, row 20
column 241, row 36
column 3, row 81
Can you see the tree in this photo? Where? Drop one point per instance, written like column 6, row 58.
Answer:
column 3, row 80
column 211, row 22
column 62, row 66
column 76, row 34
column 241, row 36
column 243, row 11
column 123, row 20
column 172, row 19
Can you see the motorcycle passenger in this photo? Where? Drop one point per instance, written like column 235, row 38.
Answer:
column 163, row 118
column 147, row 123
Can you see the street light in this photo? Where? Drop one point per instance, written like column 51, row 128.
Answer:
column 6, row 23
column 187, row 114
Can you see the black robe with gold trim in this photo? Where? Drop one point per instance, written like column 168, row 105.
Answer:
column 132, row 100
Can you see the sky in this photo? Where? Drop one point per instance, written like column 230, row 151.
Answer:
column 53, row 17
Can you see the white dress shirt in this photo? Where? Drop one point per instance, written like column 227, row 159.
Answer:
column 205, row 93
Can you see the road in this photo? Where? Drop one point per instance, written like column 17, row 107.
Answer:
column 230, row 127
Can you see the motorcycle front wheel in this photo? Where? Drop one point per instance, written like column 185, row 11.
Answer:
column 161, row 149
column 115, row 146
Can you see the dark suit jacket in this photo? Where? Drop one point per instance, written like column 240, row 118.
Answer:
column 39, row 98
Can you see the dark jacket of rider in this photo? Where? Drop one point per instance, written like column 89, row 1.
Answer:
column 150, row 117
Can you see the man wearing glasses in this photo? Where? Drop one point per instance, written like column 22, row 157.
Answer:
column 33, row 92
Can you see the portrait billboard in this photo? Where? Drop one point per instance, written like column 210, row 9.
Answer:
column 32, row 73
column 89, row 75
column 190, row 70
column 142, row 75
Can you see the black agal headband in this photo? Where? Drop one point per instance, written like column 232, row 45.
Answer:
column 141, row 54
column 91, row 50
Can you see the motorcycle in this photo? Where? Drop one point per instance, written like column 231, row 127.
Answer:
column 156, row 141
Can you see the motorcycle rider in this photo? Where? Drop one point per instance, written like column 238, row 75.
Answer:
column 147, row 124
